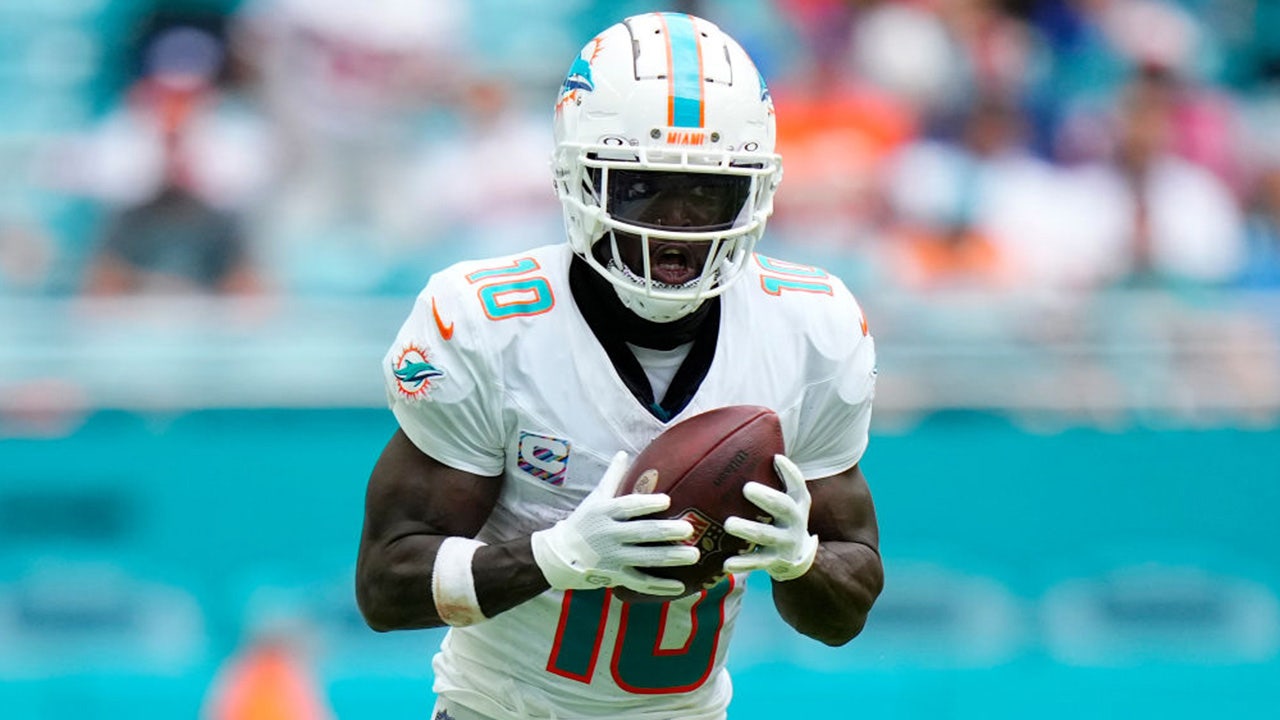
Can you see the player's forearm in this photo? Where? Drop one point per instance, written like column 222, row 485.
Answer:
column 394, row 590
column 830, row 603
column 506, row 576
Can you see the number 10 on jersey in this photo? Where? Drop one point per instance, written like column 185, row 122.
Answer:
column 516, row 292
column 780, row 275
column 639, row 663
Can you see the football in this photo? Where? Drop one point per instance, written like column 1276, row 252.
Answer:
column 703, row 463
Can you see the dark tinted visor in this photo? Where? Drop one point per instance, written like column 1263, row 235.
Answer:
column 690, row 201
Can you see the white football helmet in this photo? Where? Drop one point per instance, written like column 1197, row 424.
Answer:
column 664, row 160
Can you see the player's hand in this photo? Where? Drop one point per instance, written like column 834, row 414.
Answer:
column 784, row 549
column 600, row 545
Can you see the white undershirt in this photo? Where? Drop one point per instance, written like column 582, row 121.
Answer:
column 660, row 366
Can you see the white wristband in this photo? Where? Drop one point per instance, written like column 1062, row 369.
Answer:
column 453, row 587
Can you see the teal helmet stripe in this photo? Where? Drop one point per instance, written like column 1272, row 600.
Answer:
column 684, row 49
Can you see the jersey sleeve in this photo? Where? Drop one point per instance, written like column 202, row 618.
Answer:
column 443, row 386
column 835, row 413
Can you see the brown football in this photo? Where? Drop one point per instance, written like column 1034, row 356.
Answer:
column 703, row 463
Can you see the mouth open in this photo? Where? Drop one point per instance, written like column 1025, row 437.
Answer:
column 673, row 263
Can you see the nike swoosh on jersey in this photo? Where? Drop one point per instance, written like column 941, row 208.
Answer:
column 446, row 331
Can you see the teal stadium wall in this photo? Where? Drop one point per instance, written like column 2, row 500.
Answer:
column 1081, row 573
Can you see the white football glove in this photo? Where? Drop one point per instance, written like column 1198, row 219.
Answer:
column 784, row 549
column 599, row 545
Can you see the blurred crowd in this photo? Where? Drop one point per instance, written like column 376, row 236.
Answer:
column 319, row 146
column 1069, row 206
column 327, row 147
column 1028, row 145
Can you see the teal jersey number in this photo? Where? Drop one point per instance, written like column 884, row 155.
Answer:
column 515, row 296
column 517, row 267
column 639, row 664
column 780, row 275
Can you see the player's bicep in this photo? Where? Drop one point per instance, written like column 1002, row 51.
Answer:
column 413, row 502
column 412, row 493
column 842, row 509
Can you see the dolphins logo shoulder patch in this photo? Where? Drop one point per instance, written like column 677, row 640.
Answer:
column 415, row 374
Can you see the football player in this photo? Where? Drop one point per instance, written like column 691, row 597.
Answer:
column 523, row 384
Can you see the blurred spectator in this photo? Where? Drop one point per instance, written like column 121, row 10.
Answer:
column 174, row 242
column 1262, row 269
column 907, row 51
column 1164, row 218
column 1156, row 40
column 352, row 87
column 268, row 679
column 1261, row 147
column 485, row 188
column 178, row 167
column 178, row 229
column 998, row 50
column 941, row 194
column 835, row 131
column 228, row 152
column 823, row 25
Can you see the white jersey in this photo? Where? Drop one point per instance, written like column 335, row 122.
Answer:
column 496, row 372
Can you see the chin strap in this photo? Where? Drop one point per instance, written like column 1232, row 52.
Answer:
column 659, row 310
column 630, row 287
column 655, row 309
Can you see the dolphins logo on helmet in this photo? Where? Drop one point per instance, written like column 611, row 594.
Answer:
column 579, row 77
